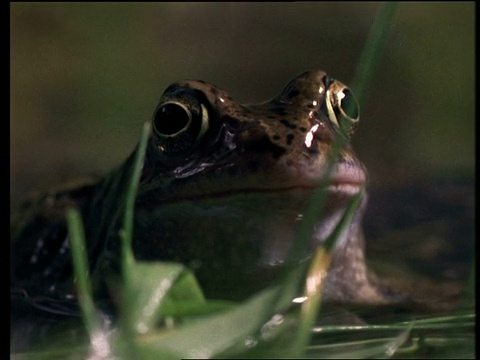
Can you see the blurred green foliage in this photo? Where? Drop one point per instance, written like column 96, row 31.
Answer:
column 85, row 76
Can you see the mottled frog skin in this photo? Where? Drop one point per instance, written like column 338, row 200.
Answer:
column 223, row 190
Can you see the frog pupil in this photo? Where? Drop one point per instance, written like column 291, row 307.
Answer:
column 171, row 119
column 349, row 104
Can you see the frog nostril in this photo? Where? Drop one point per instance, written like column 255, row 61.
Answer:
column 289, row 93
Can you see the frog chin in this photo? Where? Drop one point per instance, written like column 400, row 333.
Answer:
column 282, row 235
column 280, row 215
column 242, row 239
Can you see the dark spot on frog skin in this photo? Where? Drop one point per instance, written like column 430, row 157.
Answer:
column 290, row 138
column 288, row 124
column 265, row 145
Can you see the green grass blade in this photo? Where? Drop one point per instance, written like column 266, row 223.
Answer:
column 373, row 49
column 127, row 230
column 157, row 285
column 126, row 320
column 319, row 266
column 222, row 334
column 99, row 338
column 392, row 346
column 80, row 267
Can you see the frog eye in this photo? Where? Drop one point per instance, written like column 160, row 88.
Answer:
column 343, row 109
column 177, row 126
column 348, row 105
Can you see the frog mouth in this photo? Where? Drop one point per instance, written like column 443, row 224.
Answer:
column 345, row 186
column 332, row 188
column 337, row 187
column 341, row 187
column 345, row 179
column 343, row 183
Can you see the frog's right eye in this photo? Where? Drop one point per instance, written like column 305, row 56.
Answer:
column 342, row 107
column 178, row 127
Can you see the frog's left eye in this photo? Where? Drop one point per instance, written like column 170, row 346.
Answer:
column 343, row 109
column 178, row 126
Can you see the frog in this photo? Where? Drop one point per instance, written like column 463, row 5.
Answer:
column 223, row 190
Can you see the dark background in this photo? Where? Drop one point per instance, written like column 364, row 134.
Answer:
column 85, row 76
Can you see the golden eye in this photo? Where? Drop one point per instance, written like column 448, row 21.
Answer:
column 179, row 125
column 343, row 109
column 348, row 105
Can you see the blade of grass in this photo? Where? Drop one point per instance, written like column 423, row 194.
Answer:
column 127, row 258
column 393, row 345
column 80, row 267
column 316, row 274
column 156, row 285
column 99, row 343
column 373, row 49
column 430, row 323
column 218, row 335
column 127, row 229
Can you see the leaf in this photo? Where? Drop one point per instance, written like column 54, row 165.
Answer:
column 154, row 285
column 227, row 333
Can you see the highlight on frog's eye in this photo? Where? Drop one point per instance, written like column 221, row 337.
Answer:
column 343, row 108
